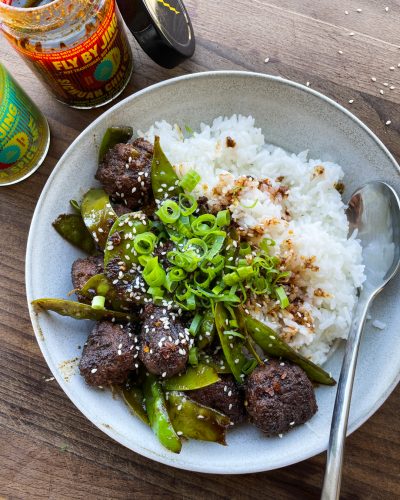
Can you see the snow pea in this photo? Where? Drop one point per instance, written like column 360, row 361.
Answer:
column 273, row 345
column 72, row 228
column 231, row 345
column 100, row 285
column 133, row 397
column 158, row 415
column 195, row 377
column 98, row 215
column 196, row 421
column 121, row 237
column 163, row 177
column 113, row 136
column 207, row 330
column 77, row 310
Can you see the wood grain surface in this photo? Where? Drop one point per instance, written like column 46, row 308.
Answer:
column 47, row 448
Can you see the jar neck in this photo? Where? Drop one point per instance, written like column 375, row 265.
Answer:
column 47, row 17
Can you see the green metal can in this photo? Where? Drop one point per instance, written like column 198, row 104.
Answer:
column 24, row 132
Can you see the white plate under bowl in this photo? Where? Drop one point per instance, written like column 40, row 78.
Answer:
column 291, row 116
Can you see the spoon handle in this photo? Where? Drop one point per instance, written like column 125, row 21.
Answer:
column 333, row 470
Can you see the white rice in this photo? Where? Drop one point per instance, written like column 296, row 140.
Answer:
column 308, row 222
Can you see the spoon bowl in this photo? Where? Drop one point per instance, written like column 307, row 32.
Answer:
column 374, row 214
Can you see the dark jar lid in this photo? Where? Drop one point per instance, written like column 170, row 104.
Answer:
column 162, row 28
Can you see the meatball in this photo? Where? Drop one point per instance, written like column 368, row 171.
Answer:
column 84, row 269
column 109, row 354
column 279, row 396
column 165, row 342
column 125, row 173
column 224, row 396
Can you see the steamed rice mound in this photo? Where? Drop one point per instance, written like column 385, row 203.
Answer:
column 291, row 199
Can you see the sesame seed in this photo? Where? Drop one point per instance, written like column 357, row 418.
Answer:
column 230, row 406
column 200, row 417
column 266, row 59
column 280, row 435
column 164, row 374
column 359, row 10
column 391, row 68
column 373, row 78
column 236, row 361
column 230, row 393
column 346, row 12
column 340, row 51
column 351, row 34
column 351, row 101
column 308, row 84
column 179, row 407
column 291, row 423
column 179, row 433
column 386, row 84
column 388, row 122
column 119, row 352
column 392, row 87
column 94, row 370
column 387, row 9
column 381, row 92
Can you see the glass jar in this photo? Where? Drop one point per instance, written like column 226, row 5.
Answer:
column 78, row 48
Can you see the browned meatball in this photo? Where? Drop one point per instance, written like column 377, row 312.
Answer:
column 109, row 354
column 125, row 173
column 84, row 269
column 224, row 396
column 279, row 396
column 164, row 342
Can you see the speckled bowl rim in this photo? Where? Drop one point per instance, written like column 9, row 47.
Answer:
column 149, row 453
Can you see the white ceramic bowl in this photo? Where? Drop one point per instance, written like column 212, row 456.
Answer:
column 291, row 116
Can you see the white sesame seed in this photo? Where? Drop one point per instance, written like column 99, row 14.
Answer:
column 119, row 352
column 386, row 84
column 164, row 374
column 266, row 59
column 230, row 393
column 391, row 68
column 280, row 435
column 373, row 78
column 94, row 370
column 291, row 423
column 359, row 10
column 340, row 51
column 236, row 361
column 346, row 12
column 230, row 406
column 308, row 84
column 180, row 433
column 351, row 34
column 387, row 9
column 381, row 92
column 351, row 101
column 200, row 417
column 392, row 87
column 179, row 407
column 388, row 122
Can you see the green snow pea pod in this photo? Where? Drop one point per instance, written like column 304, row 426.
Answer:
column 196, row 421
column 273, row 345
column 72, row 228
column 100, row 285
column 163, row 177
column 158, row 415
column 113, row 136
column 77, row 310
column 207, row 330
column 98, row 215
column 133, row 397
column 120, row 241
column 195, row 377
column 232, row 345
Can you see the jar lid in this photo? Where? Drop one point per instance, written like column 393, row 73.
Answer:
column 162, row 28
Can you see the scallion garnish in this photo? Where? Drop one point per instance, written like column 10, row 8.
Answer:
column 282, row 297
column 98, row 302
column 190, row 180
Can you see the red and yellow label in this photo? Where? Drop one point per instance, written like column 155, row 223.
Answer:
column 91, row 73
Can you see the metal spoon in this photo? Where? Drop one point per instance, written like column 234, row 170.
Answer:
column 374, row 210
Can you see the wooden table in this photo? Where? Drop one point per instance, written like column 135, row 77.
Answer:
column 47, row 448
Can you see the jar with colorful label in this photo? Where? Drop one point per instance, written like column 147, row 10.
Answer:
column 78, row 47
column 24, row 132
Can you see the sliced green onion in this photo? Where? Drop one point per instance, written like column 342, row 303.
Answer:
column 188, row 261
column 212, row 266
column 266, row 243
column 190, row 180
column 202, row 279
column 169, row 212
column 195, row 324
column 187, row 203
column 282, row 297
column 144, row 243
column 204, row 224
column 153, row 273
column 195, row 243
column 215, row 241
column 249, row 206
column 143, row 259
column 193, row 360
column 249, row 366
column 223, row 218
column 98, row 302
column 156, row 291
column 183, row 226
column 245, row 272
column 231, row 279
column 74, row 204
column 245, row 248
